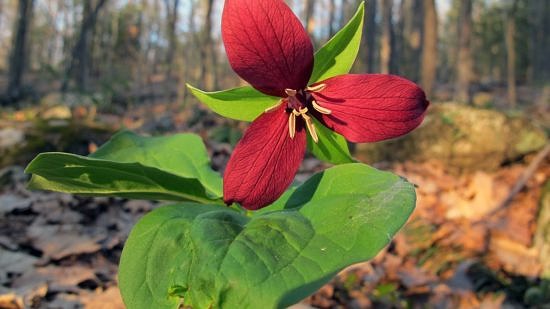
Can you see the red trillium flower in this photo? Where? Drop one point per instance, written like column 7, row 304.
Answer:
column 269, row 48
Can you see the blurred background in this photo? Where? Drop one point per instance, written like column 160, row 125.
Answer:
column 73, row 72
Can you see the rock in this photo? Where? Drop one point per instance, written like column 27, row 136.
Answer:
column 68, row 135
column 56, row 112
column 463, row 137
column 483, row 99
column 67, row 99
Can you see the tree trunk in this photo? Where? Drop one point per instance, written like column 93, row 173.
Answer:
column 79, row 67
column 187, row 72
column 429, row 49
column 309, row 11
column 1, row 11
column 171, row 22
column 411, row 38
column 368, row 43
column 510, row 33
column 539, row 10
column 332, row 18
column 19, row 53
column 387, row 41
column 464, row 63
column 208, row 55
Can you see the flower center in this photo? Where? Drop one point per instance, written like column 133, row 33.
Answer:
column 298, row 104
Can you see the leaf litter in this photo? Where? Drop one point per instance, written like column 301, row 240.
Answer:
column 61, row 251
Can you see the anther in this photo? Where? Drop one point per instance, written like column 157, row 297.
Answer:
column 274, row 107
column 292, row 125
column 320, row 109
column 317, row 88
column 291, row 92
column 311, row 128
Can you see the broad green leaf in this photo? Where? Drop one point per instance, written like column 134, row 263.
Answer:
column 173, row 168
column 244, row 103
column 217, row 258
column 337, row 56
column 332, row 147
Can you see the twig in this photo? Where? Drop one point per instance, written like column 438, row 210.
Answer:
column 522, row 181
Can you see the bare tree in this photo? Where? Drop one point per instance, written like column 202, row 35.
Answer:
column 429, row 50
column 510, row 33
column 80, row 63
column 387, row 41
column 332, row 17
column 1, row 11
column 410, row 38
column 368, row 43
column 464, row 63
column 172, row 7
column 539, row 10
column 19, row 53
column 309, row 11
column 208, row 54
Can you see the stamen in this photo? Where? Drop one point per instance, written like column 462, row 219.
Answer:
column 309, row 123
column 311, row 128
column 291, row 92
column 274, row 107
column 317, row 88
column 292, row 125
column 321, row 109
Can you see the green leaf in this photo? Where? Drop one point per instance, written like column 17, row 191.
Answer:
column 173, row 168
column 332, row 147
column 218, row 258
column 337, row 56
column 244, row 103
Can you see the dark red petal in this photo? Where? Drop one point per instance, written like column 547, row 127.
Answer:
column 267, row 45
column 371, row 107
column 264, row 162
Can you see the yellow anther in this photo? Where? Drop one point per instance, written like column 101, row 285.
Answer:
column 274, row 107
column 321, row 109
column 292, row 125
column 317, row 88
column 291, row 92
column 311, row 128
column 303, row 111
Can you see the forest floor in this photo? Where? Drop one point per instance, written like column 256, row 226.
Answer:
column 460, row 249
